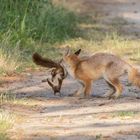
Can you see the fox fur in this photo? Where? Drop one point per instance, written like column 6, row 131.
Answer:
column 105, row 65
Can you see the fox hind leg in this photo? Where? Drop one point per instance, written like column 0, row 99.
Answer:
column 118, row 87
column 112, row 75
column 111, row 91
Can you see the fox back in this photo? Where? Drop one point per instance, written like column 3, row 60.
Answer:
column 94, row 67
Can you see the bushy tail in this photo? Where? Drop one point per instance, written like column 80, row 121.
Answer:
column 45, row 62
column 134, row 77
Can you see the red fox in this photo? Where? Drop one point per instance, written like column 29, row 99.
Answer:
column 58, row 73
column 105, row 65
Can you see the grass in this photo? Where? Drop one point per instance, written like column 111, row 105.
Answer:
column 28, row 26
column 6, row 122
column 99, row 137
column 40, row 20
column 44, row 27
column 9, row 56
column 125, row 114
column 112, row 43
column 9, row 97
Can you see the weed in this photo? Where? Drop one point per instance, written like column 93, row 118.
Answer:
column 125, row 114
column 7, row 97
column 98, row 137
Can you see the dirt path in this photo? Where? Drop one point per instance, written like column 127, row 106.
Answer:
column 122, row 13
column 42, row 116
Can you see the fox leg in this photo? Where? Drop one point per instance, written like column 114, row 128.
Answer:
column 87, row 89
column 118, row 87
column 81, row 90
column 112, row 76
column 111, row 91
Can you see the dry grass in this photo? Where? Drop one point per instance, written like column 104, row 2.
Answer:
column 9, row 56
column 6, row 122
column 113, row 43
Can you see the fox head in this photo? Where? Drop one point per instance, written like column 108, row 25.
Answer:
column 71, row 58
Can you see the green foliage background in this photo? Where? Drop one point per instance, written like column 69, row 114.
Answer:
column 27, row 24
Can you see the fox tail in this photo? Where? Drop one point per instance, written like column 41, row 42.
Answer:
column 134, row 77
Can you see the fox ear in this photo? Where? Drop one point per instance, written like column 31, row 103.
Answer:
column 67, row 50
column 77, row 52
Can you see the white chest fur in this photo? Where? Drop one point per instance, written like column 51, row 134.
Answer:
column 69, row 70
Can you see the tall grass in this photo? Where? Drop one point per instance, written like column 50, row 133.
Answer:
column 27, row 24
column 9, row 55
column 37, row 20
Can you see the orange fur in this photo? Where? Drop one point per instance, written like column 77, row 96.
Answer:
column 105, row 65
column 134, row 77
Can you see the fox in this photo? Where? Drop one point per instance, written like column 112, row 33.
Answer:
column 58, row 73
column 100, row 65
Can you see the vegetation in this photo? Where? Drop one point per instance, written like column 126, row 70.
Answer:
column 125, row 114
column 6, row 122
column 27, row 25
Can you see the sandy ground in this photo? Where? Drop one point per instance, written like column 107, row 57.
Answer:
column 44, row 116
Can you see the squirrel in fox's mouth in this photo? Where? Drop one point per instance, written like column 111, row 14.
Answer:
column 58, row 73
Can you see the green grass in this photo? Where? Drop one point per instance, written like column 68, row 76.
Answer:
column 99, row 137
column 10, row 57
column 37, row 20
column 28, row 26
column 125, row 114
